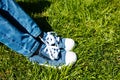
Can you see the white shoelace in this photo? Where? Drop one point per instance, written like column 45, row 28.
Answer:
column 52, row 47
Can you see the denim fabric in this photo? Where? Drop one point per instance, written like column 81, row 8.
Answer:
column 21, row 37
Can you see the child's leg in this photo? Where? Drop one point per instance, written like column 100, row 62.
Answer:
column 15, row 10
column 25, row 44
column 19, row 41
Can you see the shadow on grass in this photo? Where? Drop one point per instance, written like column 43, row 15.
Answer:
column 37, row 7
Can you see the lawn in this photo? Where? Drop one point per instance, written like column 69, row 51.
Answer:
column 93, row 24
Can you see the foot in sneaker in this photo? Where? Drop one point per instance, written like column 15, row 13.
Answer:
column 64, row 43
column 65, row 59
column 55, row 51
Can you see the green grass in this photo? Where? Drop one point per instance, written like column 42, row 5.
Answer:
column 93, row 24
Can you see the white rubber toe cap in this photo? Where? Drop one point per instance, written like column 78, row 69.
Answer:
column 70, row 58
column 69, row 44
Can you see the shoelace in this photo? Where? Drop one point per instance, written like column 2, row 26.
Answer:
column 52, row 47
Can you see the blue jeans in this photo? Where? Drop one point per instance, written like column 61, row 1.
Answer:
column 17, row 30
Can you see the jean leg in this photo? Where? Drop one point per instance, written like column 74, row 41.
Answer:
column 16, row 11
column 17, row 40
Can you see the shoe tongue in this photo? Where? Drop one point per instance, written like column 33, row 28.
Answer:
column 50, row 46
